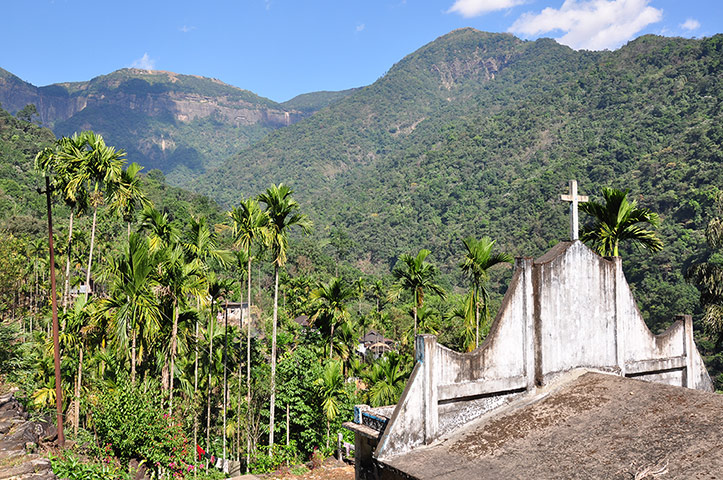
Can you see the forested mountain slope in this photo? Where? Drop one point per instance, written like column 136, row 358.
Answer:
column 478, row 134
column 181, row 124
column 23, row 210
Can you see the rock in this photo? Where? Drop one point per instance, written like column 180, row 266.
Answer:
column 19, row 438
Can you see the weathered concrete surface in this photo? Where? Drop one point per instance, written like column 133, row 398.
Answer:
column 595, row 426
column 569, row 309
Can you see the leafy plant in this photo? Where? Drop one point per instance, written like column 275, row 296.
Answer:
column 67, row 465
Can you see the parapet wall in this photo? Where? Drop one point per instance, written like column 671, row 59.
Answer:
column 567, row 310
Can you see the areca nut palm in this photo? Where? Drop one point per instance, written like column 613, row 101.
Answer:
column 126, row 194
column 331, row 388
column 478, row 259
column 132, row 303
column 65, row 162
column 161, row 231
column 283, row 214
column 180, row 280
column 388, row 378
column 332, row 309
column 249, row 228
column 619, row 221
column 97, row 169
column 415, row 275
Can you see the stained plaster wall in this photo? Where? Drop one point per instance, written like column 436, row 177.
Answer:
column 568, row 309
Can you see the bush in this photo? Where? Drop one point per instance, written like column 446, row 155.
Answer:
column 67, row 465
column 281, row 455
column 133, row 424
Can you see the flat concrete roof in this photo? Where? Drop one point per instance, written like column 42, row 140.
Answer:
column 593, row 426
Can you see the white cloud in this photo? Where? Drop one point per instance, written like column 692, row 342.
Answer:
column 591, row 24
column 186, row 28
column 690, row 24
column 360, row 27
column 144, row 63
column 474, row 8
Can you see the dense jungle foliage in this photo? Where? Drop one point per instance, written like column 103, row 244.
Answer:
column 473, row 136
column 477, row 134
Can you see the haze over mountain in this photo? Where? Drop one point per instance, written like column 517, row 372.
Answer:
column 478, row 134
column 181, row 124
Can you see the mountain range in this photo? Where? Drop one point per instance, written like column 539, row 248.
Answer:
column 473, row 134
column 180, row 124
column 478, row 134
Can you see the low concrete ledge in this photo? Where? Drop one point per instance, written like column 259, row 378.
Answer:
column 363, row 430
column 641, row 367
column 467, row 390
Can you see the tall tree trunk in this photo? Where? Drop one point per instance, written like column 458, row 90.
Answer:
column 133, row 357
column 208, row 394
column 90, row 256
column 174, row 334
column 331, row 339
column 476, row 318
column 414, row 310
column 79, row 379
column 248, row 370
column 273, row 359
column 195, row 395
column 238, row 410
column 66, row 288
column 225, row 376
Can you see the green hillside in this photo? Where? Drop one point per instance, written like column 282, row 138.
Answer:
column 23, row 209
column 478, row 134
column 314, row 101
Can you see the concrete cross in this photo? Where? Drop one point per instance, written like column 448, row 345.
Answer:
column 574, row 199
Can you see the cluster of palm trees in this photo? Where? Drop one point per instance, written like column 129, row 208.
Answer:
column 163, row 289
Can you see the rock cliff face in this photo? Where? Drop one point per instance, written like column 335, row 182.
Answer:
column 181, row 124
column 152, row 93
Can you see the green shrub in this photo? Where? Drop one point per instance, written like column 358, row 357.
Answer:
column 281, row 455
column 133, row 424
column 67, row 465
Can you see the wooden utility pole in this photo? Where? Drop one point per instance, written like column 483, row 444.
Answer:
column 56, row 327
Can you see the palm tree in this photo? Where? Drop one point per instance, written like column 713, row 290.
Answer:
column 331, row 388
column 161, row 232
column 428, row 319
column 332, row 306
column 180, row 279
column 619, row 220
column 126, row 194
column 66, row 161
column 466, row 313
column 387, row 379
column 249, row 228
column 708, row 275
column 76, row 322
column 216, row 290
column 282, row 211
column 477, row 261
column 100, row 168
column 132, row 303
column 416, row 276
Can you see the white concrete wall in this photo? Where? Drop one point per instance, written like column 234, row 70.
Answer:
column 568, row 309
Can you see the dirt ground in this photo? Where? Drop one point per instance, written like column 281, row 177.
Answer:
column 330, row 470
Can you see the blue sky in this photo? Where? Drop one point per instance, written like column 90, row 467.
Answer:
column 281, row 48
